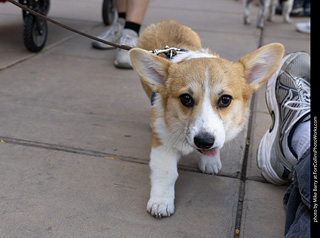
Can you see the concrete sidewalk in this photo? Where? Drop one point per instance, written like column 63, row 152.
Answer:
column 75, row 135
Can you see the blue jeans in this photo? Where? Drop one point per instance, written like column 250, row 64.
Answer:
column 297, row 200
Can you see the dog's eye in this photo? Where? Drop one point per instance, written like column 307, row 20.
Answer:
column 186, row 100
column 224, row 101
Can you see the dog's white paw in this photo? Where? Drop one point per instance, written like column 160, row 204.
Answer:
column 160, row 207
column 210, row 165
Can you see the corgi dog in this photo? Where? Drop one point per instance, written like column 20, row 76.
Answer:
column 199, row 102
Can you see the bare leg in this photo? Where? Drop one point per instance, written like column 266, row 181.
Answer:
column 136, row 10
column 121, row 5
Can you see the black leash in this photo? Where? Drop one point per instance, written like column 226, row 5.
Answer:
column 124, row 47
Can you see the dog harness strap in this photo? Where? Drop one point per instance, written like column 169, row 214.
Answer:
column 153, row 98
column 170, row 52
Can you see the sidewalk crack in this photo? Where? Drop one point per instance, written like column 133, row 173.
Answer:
column 243, row 177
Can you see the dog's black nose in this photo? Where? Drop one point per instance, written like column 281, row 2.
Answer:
column 204, row 141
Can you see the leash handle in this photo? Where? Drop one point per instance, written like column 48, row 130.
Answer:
column 124, row 47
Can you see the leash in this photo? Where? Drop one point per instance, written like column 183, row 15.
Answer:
column 124, row 47
column 170, row 52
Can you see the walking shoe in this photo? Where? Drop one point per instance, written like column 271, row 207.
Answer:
column 129, row 38
column 288, row 102
column 112, row 35
column 303, row 27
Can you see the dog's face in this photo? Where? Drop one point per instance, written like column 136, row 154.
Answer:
column 208, row 103
column 205, row 98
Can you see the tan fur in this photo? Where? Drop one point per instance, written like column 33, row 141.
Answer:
column 170, row 33
column 200, row 102
column 238, row 79
column 167, row 33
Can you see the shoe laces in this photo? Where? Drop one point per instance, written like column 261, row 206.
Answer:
column 303, row 103
column 128, row 40
column 113, row 31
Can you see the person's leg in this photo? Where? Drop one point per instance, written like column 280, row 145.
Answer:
column 121, row 6
column 307, row 8
column 136, row 10
column 297, row 8
column 284, row 151
column 297, row 199
column 134, row 16
column 300, row 141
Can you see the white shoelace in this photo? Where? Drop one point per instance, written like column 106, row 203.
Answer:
column 128, row 40
column 304, row 92
column 112, row 31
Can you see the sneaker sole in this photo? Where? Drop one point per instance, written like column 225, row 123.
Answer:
column 122, row 65
column 101, row 46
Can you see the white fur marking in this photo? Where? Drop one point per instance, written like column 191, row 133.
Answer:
column 208, row 121
column 210, row 165
column 164, row 173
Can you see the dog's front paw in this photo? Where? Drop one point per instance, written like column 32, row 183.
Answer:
column 210, row 165
column 160, row 207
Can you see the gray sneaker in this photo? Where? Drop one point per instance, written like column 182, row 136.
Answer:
column 288, row 102
column 130, row 38
column 113, row 35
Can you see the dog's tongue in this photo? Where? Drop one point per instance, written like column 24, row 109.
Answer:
column 210, row 153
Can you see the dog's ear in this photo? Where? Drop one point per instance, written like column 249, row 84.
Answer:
column 261, row 64
column 152, row 69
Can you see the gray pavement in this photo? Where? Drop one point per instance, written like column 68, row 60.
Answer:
column 75, row 135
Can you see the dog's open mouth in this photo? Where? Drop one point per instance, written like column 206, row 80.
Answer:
column 211, row 153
